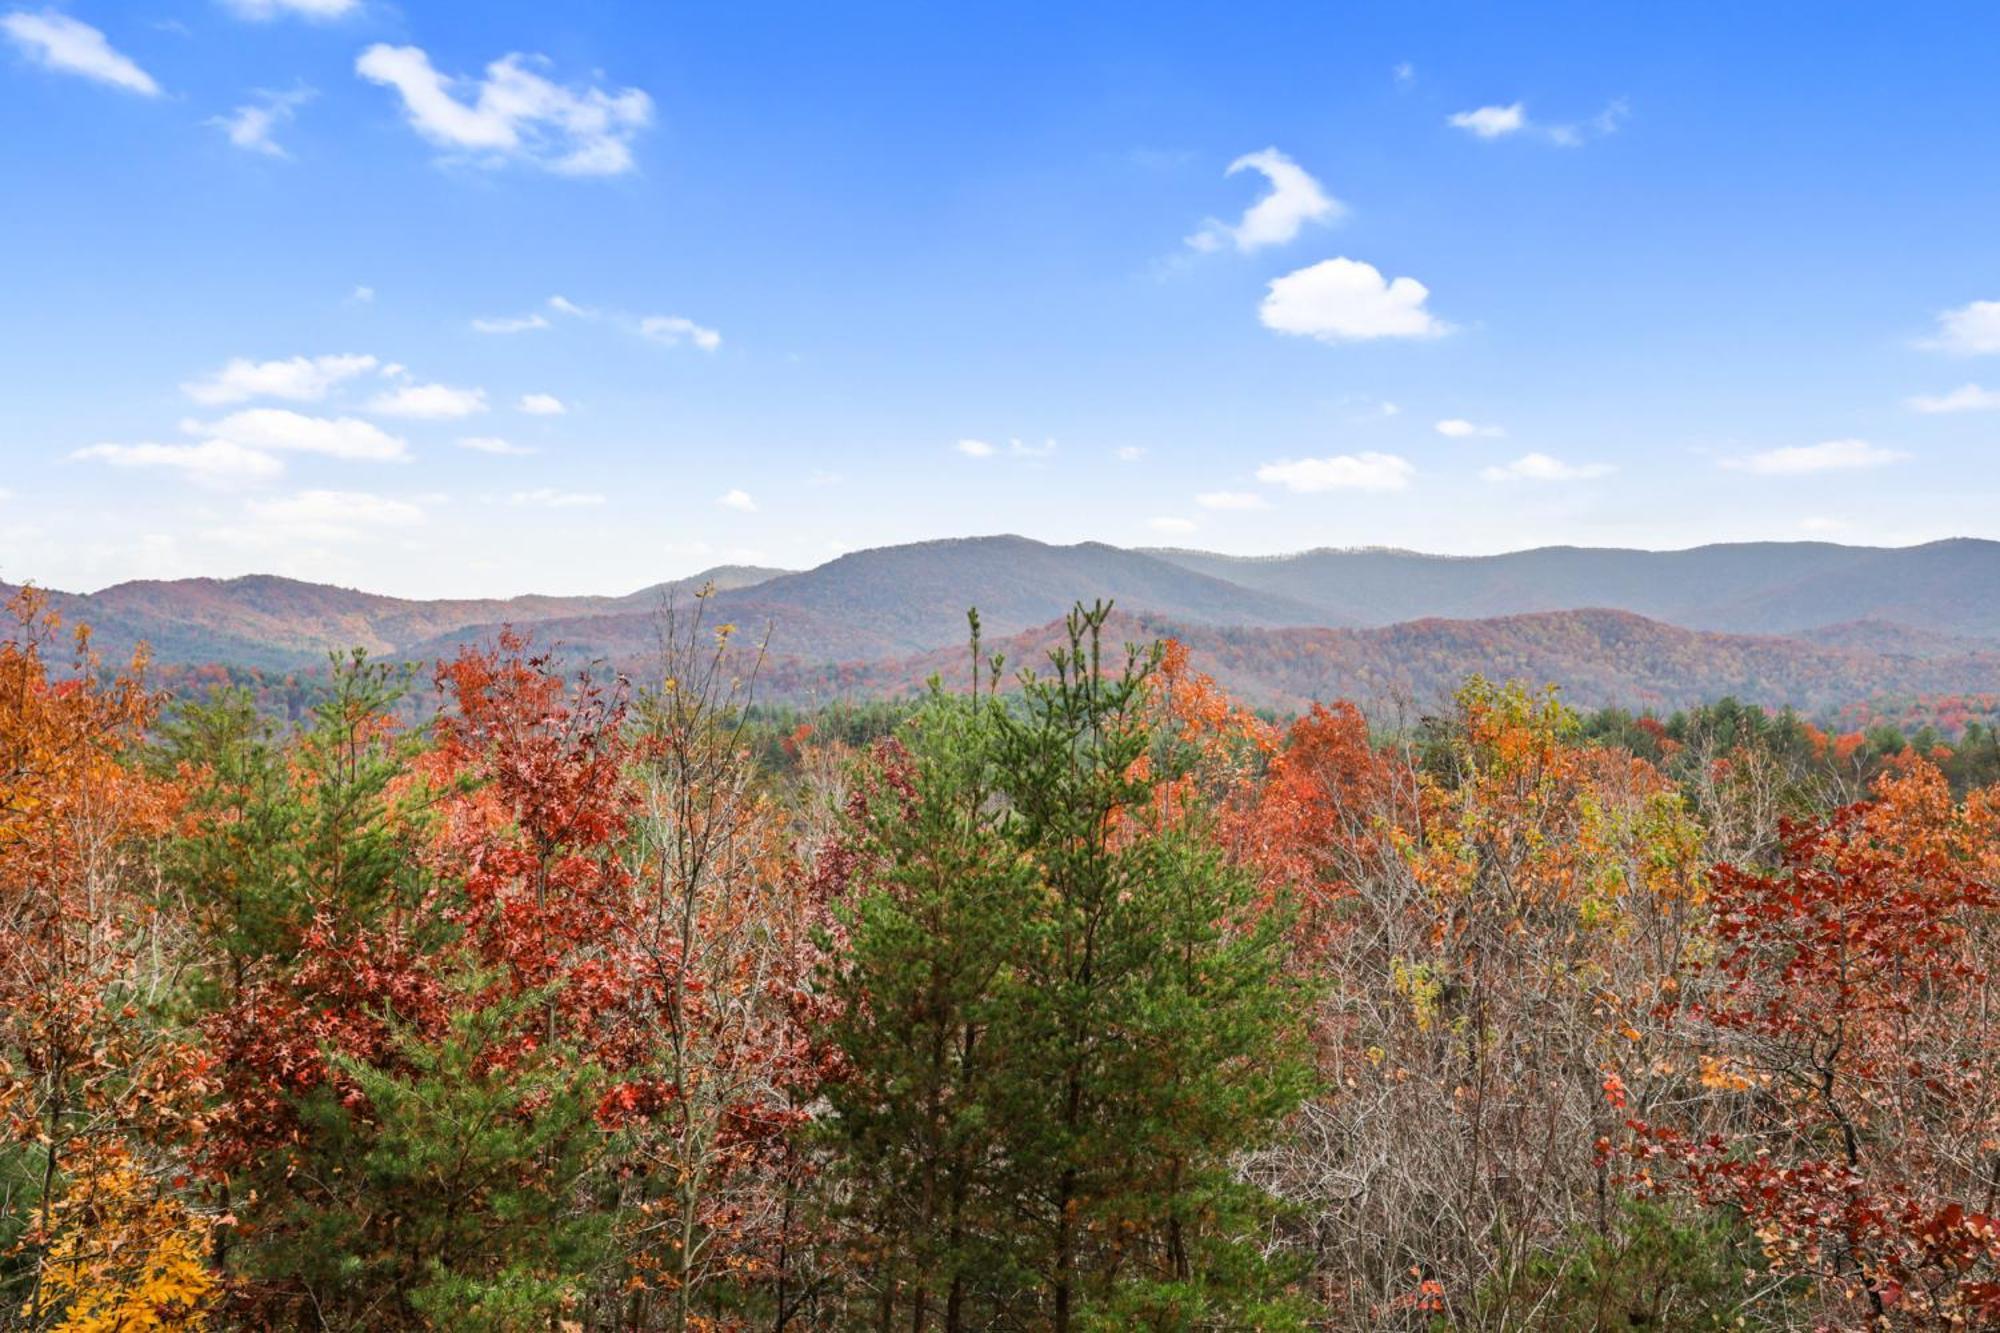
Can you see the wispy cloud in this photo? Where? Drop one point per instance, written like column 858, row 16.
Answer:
column 252, row 126
column 1505, row 121
column 1541, row 467
column 1965, row 398
column 546, row 498
column 429, row 402
column 513, row 114
column 1293, row 200
column 1828, row 456
column 1341, row 472
column 210, row 463
column 55, row 41
column 511, row 323
column 674, row 330
column 542, row 405
column 737, row 500
column 493, row 444
column 1231, row 500
column 302, row 379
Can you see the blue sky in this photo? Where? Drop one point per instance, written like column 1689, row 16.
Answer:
column 803, row 279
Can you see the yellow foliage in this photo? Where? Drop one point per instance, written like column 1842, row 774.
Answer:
column 124, row 1258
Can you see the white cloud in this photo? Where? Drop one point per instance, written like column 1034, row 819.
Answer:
column 511, row 324
column 542, row 405
column 1345, row 300
column 1829, row 456
column 301, row 379
column 251, row 126
column 739, row 500
column 1491, row 122
column 282, row 429
column 974, row 448
column 1541, row 467
column 317, row 10
column 332, row 515
column 513, row 113
column 1129, row 453
column 1965, row 398
column 1823, row 524
column 1496, row 122
column 429, row 402
column 565, row 306
column 1458, row 428
column 1174, row 526
column 212, row 462
column 58, row 42
column 1342, row 472
column 362, row 295
column 1021, row 449
column 493, row 444
column 545, row 498
column 1231, row 500
column 1295, row 199
column 1972, row 329
column 1405, row 74
column 674, row 330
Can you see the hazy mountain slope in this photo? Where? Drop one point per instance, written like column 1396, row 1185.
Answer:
column 263, row 620
column 1753, row 587
column 911, row 598
column 1597, row 657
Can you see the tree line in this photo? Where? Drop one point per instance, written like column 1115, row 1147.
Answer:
column 1072, row 998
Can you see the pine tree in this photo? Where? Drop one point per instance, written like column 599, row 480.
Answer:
column 1063, row 1013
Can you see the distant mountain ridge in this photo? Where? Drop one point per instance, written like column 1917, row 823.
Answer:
column 1777, row 620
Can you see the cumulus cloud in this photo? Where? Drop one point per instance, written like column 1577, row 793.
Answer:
column 1231, row 500
column 1346, row 300
column 674, row 330
column 211, row 462
column 1972, row 329
column 1295, row 199
column 1458, row 428
column 429, row 402
column 513, row 113
column 493, row 444
column 300, row 379
column 1828, row 456
column 252, row 126
column 511, row 324
column 1965, row 398
column 541, row 405
column 737, row 500
column 1541, row 467
column 1341, row 472
column 287, row 431
column 55, row 41
column 974, row 448
column 546, row 498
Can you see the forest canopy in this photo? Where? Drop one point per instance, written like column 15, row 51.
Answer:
column 1097, row 1001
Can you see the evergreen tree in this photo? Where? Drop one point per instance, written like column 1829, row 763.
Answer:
column 1063, row 1013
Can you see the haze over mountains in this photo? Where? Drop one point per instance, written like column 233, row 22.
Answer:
column 1810, row 623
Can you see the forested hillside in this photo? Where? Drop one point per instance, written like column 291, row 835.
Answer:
column 1094, row 1003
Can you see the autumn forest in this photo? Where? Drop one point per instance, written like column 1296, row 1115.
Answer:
column 1071, row 996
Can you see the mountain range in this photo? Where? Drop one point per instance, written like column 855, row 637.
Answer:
column 1808, row 623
